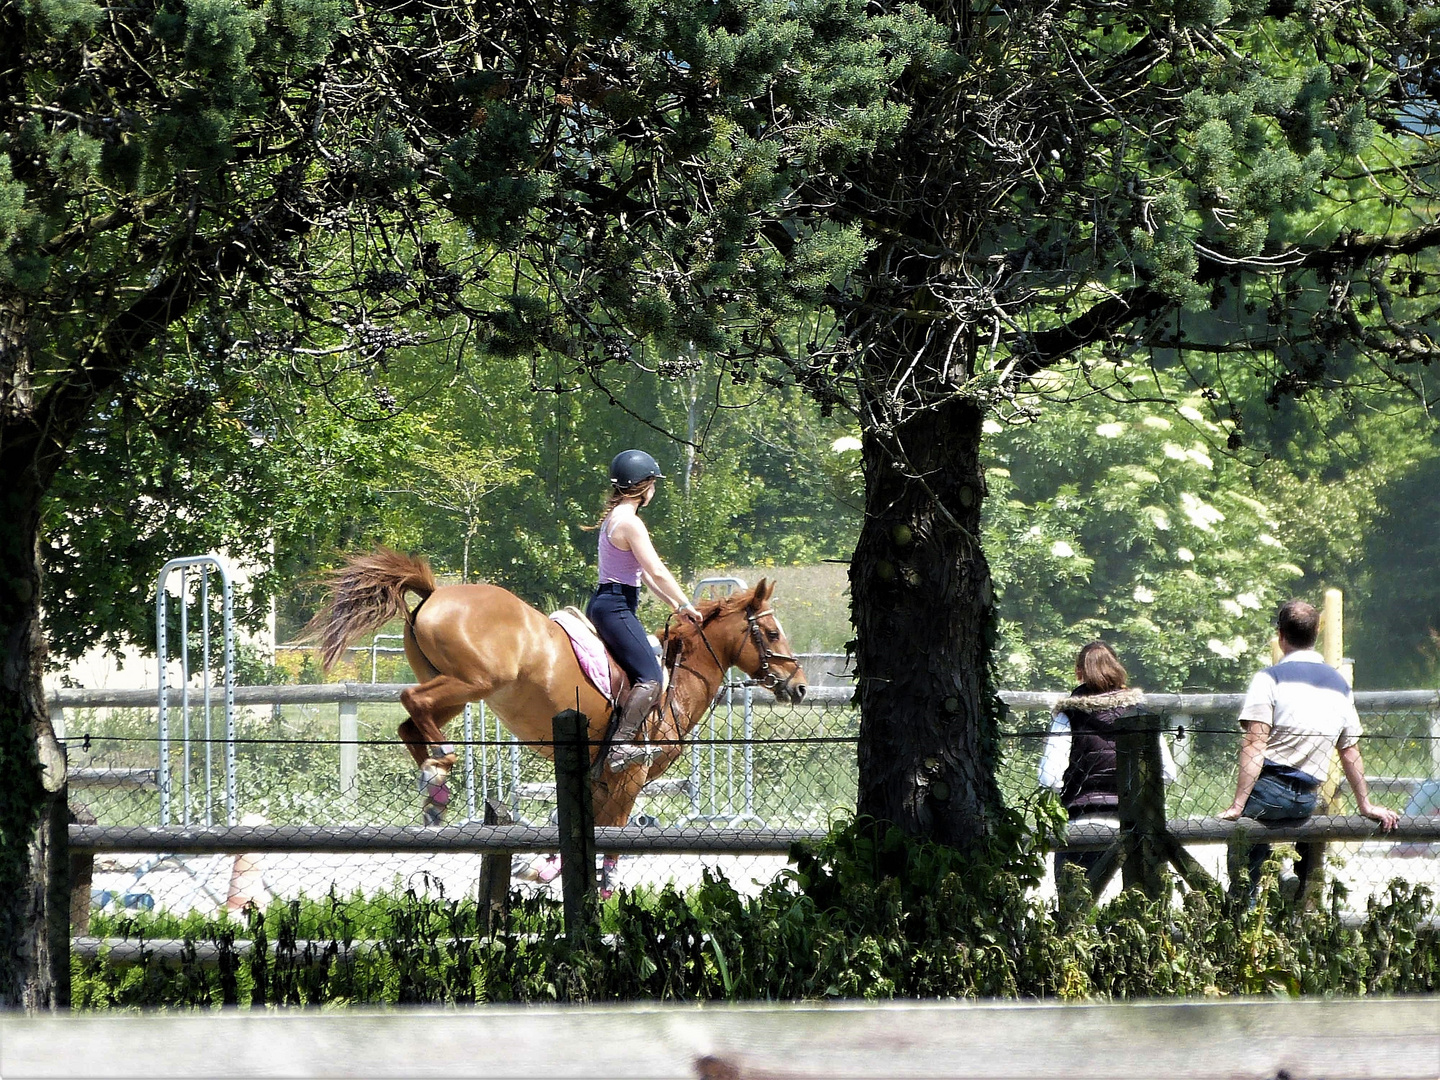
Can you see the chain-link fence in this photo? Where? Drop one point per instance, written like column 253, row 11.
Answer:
column 327, row 757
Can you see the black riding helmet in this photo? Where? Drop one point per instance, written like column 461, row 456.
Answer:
column 632, row 467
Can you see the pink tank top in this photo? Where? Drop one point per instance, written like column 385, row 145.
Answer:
column 616, row 564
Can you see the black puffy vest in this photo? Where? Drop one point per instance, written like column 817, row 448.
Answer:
column 1089, row 783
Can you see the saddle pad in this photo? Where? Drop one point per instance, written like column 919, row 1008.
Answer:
column 589, row 650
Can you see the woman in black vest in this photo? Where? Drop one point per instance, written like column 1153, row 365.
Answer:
column 1079, row 759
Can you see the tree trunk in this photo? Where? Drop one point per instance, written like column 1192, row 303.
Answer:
column 34, row 863
column 923, row 609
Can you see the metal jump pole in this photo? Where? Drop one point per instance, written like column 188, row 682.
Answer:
column 161, row 655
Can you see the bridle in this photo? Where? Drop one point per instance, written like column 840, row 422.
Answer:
column 768, row 677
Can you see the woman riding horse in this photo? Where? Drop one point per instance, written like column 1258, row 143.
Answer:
column 481, row 643
column 627, row 556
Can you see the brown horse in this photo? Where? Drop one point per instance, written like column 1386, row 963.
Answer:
column 481, row 643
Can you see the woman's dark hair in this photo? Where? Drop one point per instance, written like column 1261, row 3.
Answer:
column 1100, row 669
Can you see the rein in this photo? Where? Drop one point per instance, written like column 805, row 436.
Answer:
column 768, row 678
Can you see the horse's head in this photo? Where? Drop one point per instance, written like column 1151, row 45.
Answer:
column 742, row 630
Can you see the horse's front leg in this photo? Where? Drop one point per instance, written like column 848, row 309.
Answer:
column 431, row 706
column 614, row 796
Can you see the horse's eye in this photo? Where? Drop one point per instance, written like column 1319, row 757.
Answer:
column 773, row 635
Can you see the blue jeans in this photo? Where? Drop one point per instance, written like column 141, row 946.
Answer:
column 1275, row 802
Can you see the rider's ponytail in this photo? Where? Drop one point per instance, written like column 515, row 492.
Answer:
column 616, row 497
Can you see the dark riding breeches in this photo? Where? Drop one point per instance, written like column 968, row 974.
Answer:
column 612, row 610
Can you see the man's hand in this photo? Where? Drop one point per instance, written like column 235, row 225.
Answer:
column 1385, row 816
column 1231, row 813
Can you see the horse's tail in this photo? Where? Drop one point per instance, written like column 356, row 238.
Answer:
column 365, row 593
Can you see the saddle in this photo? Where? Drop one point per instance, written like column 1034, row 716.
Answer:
column 595, row 660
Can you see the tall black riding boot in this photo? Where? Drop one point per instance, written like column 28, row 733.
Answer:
column 638, row 703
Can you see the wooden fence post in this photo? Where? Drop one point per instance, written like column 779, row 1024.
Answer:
column 82, row 873
column 1310, row 861
column 1141, row 787
column 494, row 876
column 1145, row 843
column 576, row 812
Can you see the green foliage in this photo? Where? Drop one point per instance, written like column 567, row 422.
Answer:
column 867, row 913
column 187, row 461
column 1131, row 524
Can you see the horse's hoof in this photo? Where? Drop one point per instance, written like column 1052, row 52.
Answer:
column 433, row 784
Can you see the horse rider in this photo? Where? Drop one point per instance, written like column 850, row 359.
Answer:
column 628, row 557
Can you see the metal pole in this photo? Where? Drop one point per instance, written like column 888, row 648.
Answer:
column 469, row 764
column 730, row 749
column 714, row 733
column 162, row 679
column 205, row 663
column 749, row 751
column 514, row 769
column 162, row 734
column 228, row 625
column 185, row 692
column 349, row 750
column 694, row 778
column 485, row 759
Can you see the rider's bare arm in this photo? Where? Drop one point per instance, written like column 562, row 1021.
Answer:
column 632, row 533
column 1252, row 760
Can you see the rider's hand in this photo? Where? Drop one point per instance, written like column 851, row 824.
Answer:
column 689, row 611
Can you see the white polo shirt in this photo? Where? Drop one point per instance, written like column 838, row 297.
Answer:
column 1309, row 708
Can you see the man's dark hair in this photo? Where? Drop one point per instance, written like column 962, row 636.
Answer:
column 1298, row 623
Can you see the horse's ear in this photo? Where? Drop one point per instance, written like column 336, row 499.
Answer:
column 763, row 592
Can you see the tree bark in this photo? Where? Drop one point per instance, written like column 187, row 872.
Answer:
column 34, row 863
column 923, row 608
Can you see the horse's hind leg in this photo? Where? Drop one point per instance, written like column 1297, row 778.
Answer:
column 431, row 705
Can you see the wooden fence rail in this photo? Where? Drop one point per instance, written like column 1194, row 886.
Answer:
column 477, row 839
column 1369, row 1038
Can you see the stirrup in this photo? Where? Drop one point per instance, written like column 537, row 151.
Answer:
column 623, row 755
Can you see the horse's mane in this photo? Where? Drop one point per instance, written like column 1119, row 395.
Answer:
column 681, row 634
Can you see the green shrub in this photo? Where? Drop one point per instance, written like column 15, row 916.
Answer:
column 866, row 913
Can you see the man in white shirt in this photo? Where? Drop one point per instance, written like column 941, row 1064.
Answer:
column 1295, row 715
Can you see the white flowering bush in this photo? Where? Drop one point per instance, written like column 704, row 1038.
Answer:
column 1129, row 522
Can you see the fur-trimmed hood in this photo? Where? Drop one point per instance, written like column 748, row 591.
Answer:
column 1095, row 703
